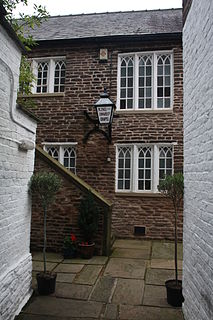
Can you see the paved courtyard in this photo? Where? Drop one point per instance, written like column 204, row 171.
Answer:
column 127, row 286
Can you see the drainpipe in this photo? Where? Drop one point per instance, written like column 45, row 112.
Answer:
column 12, row 109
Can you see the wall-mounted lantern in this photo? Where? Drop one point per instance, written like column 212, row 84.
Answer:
column 104, row 109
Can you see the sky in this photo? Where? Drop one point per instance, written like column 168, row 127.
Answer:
column 65, row 7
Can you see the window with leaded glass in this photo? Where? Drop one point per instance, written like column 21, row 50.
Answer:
column 59, row 79
column 145, row 81
column 49, row 74
column 70, row 158
column 65, row 153
column 53, row 151
column 144, row 169
column 126, row 83
column 164, row 81
column 42, row 77
column 139, row 167
column 124, row 168
column 165, row 162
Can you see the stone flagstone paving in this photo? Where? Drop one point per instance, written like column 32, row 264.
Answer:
column 129, row 285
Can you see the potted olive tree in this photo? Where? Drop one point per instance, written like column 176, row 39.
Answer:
column 173, row 188
column 88, row 224
column 45, row 185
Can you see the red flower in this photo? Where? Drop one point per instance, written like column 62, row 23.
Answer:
column 84, row 243
column 73, row 237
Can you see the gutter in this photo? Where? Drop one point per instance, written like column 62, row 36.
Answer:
column 12, row 111
column 115, row 38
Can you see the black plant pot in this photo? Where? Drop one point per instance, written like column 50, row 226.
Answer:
column 174, row 293
column 46, row 282
column 69, row 253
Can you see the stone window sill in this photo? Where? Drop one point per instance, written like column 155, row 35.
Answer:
column 139, row 194
column 44, row 95
column 143, row 111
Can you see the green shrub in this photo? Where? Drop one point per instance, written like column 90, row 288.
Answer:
column 88, row 218
column 45, row 185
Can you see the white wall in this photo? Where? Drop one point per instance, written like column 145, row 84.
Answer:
column 16, row 167
column 198, row 158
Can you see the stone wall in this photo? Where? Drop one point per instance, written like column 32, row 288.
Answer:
column 198, row 162
column 63, row 120
column 16, row 167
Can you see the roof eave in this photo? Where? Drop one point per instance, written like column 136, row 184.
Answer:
column 118, row 38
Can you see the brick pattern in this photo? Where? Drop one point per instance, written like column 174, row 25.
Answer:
column 16, row 288
column 62, row 216
column 198, row 155
column 64, row 121
column 16, row 169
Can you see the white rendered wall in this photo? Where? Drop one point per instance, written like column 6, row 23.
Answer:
column 16, row 168
column 198, row 158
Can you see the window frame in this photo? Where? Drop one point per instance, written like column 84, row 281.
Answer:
column 136, row 56
column 155, row 147
column 131, row 167
column 61, row 147
column 51, row 73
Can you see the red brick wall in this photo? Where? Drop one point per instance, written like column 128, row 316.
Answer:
column 62, row 216
column 64, row 121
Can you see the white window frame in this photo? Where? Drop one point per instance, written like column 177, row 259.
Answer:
column 131, row 168
column 134, row 165
column 51, row 73
column 136, row 79
column 61, row 147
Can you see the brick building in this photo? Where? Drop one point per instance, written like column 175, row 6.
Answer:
column 17, row 141
column 198, row 160
column 137, row 56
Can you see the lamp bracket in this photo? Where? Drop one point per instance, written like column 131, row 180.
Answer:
column 95, row 121
column 107, row 135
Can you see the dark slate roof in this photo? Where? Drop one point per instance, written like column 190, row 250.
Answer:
column 137, row 23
